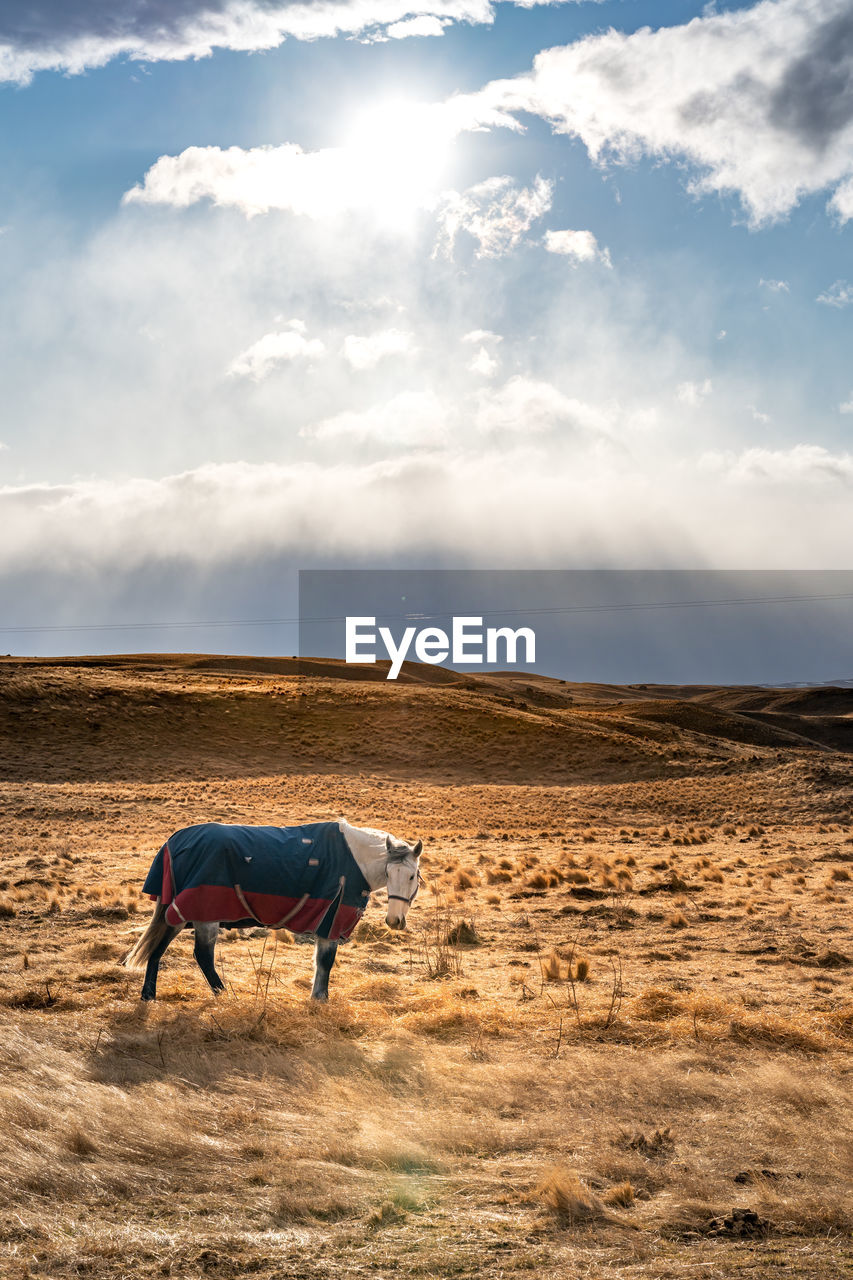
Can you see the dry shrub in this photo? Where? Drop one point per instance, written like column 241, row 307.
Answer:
column 656, row 1004
column 498, row 876
column 840, row 1021
column 678, row 920
column 462, row 934
column 552, row 968
column 464, row 880
column 369, row 931
column 776, row 1031
column 622, row 1195
column 7, row 909
column 658, row 1144
column 305, row 1204
column 577, row 877
column 538, row 881
column 570, row 1200
column 386, row 1214
column 582, row 970
column 79, row 1143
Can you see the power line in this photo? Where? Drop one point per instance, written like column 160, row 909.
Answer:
column 50, row 628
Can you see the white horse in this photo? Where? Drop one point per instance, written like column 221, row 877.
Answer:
column 384, row 861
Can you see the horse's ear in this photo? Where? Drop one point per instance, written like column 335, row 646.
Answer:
column 418, row 849
column 389, row 845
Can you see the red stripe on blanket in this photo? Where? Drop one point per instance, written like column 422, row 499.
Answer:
column 207, row 902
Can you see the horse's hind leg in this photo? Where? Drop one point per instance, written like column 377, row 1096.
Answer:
column 205, row 939
column 324, row 958
column 149, row 986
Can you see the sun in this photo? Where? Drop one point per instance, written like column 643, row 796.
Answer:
column 399, row 151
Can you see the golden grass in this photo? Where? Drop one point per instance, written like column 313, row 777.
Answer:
column 663, row 1075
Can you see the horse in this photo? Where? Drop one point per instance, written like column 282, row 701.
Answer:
column 314, row 879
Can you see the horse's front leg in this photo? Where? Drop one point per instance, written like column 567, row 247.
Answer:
column 324, row 958
column 205, row 939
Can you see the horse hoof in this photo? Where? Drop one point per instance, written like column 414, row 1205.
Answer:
column 147, row 998
column 321, row 998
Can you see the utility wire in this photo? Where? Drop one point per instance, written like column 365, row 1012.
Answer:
column 424, row 617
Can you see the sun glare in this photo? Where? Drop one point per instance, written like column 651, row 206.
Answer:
column 400, row 151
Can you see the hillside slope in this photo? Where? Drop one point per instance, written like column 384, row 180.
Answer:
column 152, row 716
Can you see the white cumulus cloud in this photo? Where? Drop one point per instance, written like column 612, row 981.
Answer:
column 423, row 25
column 364, row 351
column 693, row 393
column 528, row 406
column 804, row 463
column 481, row 335
column 275, row 348
column 483, row 363
column 838, row 295
column 496, row 214
column 71, row 35
column 411, row 418
column 581, row 246
column 758, row 100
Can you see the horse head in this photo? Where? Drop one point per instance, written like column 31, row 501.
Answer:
column 403, row 879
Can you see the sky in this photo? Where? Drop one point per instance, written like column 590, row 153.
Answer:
column 419, row 283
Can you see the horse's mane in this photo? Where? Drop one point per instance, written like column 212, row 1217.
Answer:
column 376, row 839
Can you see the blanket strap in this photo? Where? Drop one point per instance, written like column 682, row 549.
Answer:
column 291, row 913
column 284, row 919
column 339, row 899
column 244, row 904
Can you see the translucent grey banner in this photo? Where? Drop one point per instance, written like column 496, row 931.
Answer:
column 609, row 626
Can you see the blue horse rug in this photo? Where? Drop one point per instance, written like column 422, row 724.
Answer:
column 299, row 878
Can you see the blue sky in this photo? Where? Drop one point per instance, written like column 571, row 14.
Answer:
column 566, row 285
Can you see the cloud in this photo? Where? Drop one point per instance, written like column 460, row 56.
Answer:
column 364, row 352
column 837, row 295
column 390, row 165
column 483, row 363
column 516, row 506
column 802, row 464
column 482, row 335
column 496, row 214
column 582, row 246
column 759, row 100
column 275, row 348
column 71, row 36
column 847, row 405
column 775, row 286
column 425, row 25
column 529, row 407
column 758, row 416
column 317, row 184
column 693, row 393
column 413, row 418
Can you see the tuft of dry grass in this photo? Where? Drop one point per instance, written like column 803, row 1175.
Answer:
column 571, row 1202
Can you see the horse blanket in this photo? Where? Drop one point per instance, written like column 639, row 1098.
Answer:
column 300, row 878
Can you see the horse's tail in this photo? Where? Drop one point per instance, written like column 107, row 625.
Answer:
column 139, row 954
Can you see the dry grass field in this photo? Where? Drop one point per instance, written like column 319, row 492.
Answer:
column 614, row 1041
